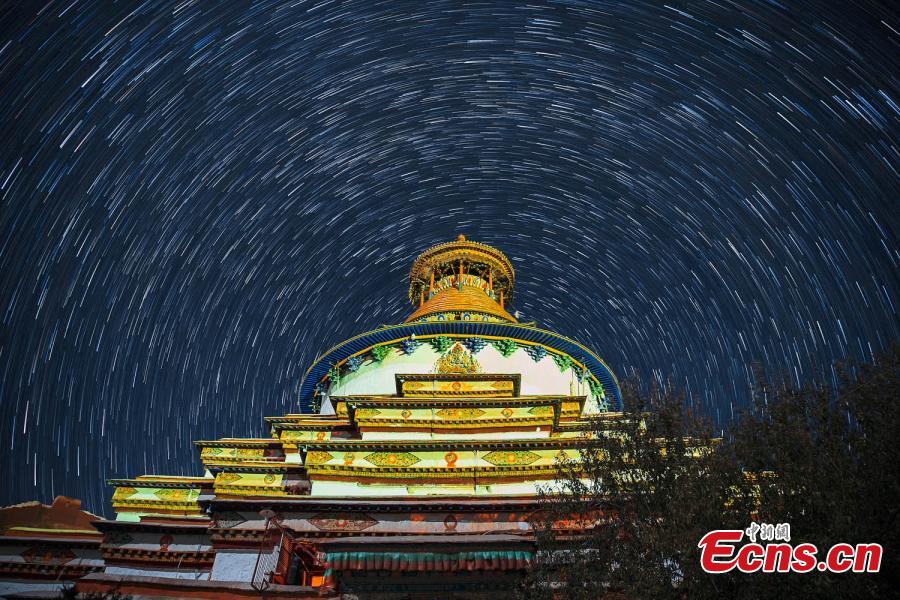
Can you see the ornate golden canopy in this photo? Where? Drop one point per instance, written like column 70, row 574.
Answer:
column 476, row 259
column 461, row 276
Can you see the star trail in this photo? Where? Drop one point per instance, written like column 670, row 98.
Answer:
column 197, row 198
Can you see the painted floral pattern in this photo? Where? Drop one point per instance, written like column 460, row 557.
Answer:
column 459, row 413
column 501, row 458
column 392, row 459
column 318, row 457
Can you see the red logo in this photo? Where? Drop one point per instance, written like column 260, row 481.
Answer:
column 720, row 553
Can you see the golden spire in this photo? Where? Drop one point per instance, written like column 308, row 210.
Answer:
column 461, row 278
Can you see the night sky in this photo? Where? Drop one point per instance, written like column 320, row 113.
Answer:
column 197, row 198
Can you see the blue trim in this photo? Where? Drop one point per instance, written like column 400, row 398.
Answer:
column 459, row 328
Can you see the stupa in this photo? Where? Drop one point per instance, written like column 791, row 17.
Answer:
column 413, row 474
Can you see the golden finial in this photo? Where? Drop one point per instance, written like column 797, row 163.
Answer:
column 460, row 238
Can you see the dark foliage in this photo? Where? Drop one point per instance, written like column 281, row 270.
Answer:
column 821, row 457
column 69, row 593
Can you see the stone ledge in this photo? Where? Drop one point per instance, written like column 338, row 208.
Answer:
column 162, row 587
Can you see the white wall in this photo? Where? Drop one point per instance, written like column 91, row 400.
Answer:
column 350, row 489
column 28, row 585
column 538, row 378
column 185, row 573
column 234, row 565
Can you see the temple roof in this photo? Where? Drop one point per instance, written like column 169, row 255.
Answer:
column 462, row 299
column 64, row 515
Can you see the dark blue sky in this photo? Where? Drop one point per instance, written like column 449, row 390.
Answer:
column 197, row 198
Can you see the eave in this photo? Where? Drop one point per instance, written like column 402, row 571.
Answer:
column 384, row 504
column 239, row 443
column 258, row 467
column 457, row 402
column 88, row 540
column 154, row 527
column 407, row 445
column 292, row 422
column 163, row 482
column 482, row 475
column 351, row 405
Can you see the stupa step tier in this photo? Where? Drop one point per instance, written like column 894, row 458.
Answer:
column 359, row 415
column 331, row 448
column 459, row 461
column 440, row 461
column 158, row 494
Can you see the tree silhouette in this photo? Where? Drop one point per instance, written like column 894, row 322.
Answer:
column 625, row 520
